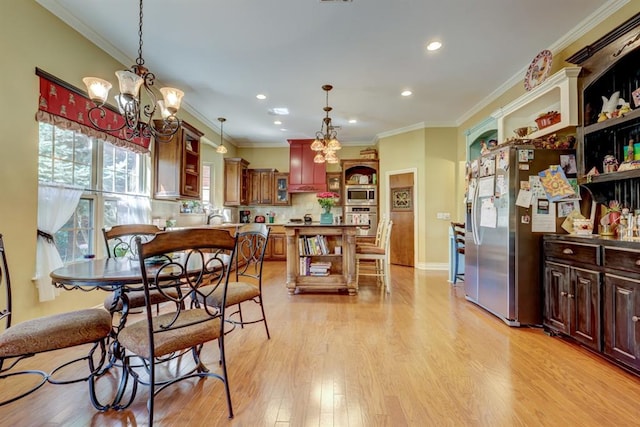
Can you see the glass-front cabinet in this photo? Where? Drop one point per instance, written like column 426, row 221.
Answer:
column 334, row 184
column 281, row 182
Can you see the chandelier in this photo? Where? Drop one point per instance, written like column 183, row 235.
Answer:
column 138, row 119
column 221, row 148
column 326, row 143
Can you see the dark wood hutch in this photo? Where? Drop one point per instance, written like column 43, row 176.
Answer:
column 592, row 283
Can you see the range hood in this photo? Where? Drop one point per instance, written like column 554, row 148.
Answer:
column 305, row 176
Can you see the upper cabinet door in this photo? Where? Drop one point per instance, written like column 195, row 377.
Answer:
column 235, row 181
column 304, row 174
column 177, row 165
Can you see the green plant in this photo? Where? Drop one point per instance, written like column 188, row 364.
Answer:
column 327, row 199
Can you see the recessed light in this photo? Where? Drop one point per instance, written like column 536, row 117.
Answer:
column 434, row 46
column 261, row 96
column 352, row 121
column 279, row 111
column 283, row 129
column 277, row 122
column 406, row 93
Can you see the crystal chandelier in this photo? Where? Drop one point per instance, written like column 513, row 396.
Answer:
column 138, row 119
column 221, row 148
column 326, row 143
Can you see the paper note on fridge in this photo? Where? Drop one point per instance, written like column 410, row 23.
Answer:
column 524, row 198
column 486, row 186
column 543, row 219
column 488, row 214
column 555, row 183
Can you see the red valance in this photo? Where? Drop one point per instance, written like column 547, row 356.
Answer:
column 67, row 107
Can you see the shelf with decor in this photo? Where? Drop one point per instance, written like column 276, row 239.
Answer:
column 611, row 115
column 555, row 99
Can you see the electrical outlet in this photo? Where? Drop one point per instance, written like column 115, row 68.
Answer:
column 446, row 215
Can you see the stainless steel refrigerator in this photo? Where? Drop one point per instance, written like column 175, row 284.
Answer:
column 502, row 247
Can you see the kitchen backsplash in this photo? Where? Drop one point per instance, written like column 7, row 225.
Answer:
column 301, row 204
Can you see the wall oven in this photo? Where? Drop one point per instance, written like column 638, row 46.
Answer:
column 361, row 195
column 365, row 217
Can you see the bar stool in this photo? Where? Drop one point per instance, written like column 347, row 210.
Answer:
column 458, row 235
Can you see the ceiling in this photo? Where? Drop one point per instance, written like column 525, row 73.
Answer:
column 223, row 53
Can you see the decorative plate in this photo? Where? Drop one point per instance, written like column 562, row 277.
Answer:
column 539, row 70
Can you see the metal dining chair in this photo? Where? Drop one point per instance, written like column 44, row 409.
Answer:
column 247, row 286
column 120, row 242
column 181, row 326
column 23, row 340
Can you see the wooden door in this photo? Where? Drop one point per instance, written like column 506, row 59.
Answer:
column 401, row 211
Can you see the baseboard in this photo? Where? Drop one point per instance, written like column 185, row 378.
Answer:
column 432, row 266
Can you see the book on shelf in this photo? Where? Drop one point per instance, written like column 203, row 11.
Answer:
column 319, row 274
column 313, row 245
column 319, row 268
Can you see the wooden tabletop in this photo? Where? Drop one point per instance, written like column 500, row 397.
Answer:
column 105, row 273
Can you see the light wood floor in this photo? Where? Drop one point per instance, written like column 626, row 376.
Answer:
column 423, row 356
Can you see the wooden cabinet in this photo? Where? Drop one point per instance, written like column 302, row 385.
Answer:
column 304, row 174
column 592, row 294
column 305, row 248
column 235, row 181
column 281, row 189
column 334, row 184
column 276, row 247
column 572, row 291
column 556, row 305
column 261, row 186
column 177, row 165
column 622, row 319
column 277, row 240
column 622, row 304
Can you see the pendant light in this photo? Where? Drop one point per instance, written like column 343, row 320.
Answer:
column 221, row 148
column 140, row 121
column 326, row 143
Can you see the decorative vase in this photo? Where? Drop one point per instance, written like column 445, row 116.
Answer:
column 326, row 217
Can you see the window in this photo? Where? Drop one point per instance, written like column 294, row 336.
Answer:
column 206, row 185
column 118, row 194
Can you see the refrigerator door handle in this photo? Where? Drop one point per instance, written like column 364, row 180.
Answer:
column 474, row 229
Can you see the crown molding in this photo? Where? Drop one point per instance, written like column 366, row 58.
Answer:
column 588, row 24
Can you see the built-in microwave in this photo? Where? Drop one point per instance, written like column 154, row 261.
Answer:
column 361, row 195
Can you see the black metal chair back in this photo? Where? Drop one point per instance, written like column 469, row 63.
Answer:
column 178, row 264
column 43, row 334
column 120, row 239
column 458, row 230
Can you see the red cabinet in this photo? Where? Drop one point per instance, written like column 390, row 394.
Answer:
column 305, row 176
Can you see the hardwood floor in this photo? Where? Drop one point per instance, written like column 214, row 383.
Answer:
column 422, row 356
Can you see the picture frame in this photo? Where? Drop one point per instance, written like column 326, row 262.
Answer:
column 401, row 199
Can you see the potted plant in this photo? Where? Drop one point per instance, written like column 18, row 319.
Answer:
column 327, row 200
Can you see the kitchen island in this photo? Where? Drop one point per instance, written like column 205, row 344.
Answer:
column 321, row 257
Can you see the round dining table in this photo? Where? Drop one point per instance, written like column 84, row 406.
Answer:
column 108, row 274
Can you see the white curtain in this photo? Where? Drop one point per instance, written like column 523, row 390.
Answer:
column 134, row 210
column 56, row 204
